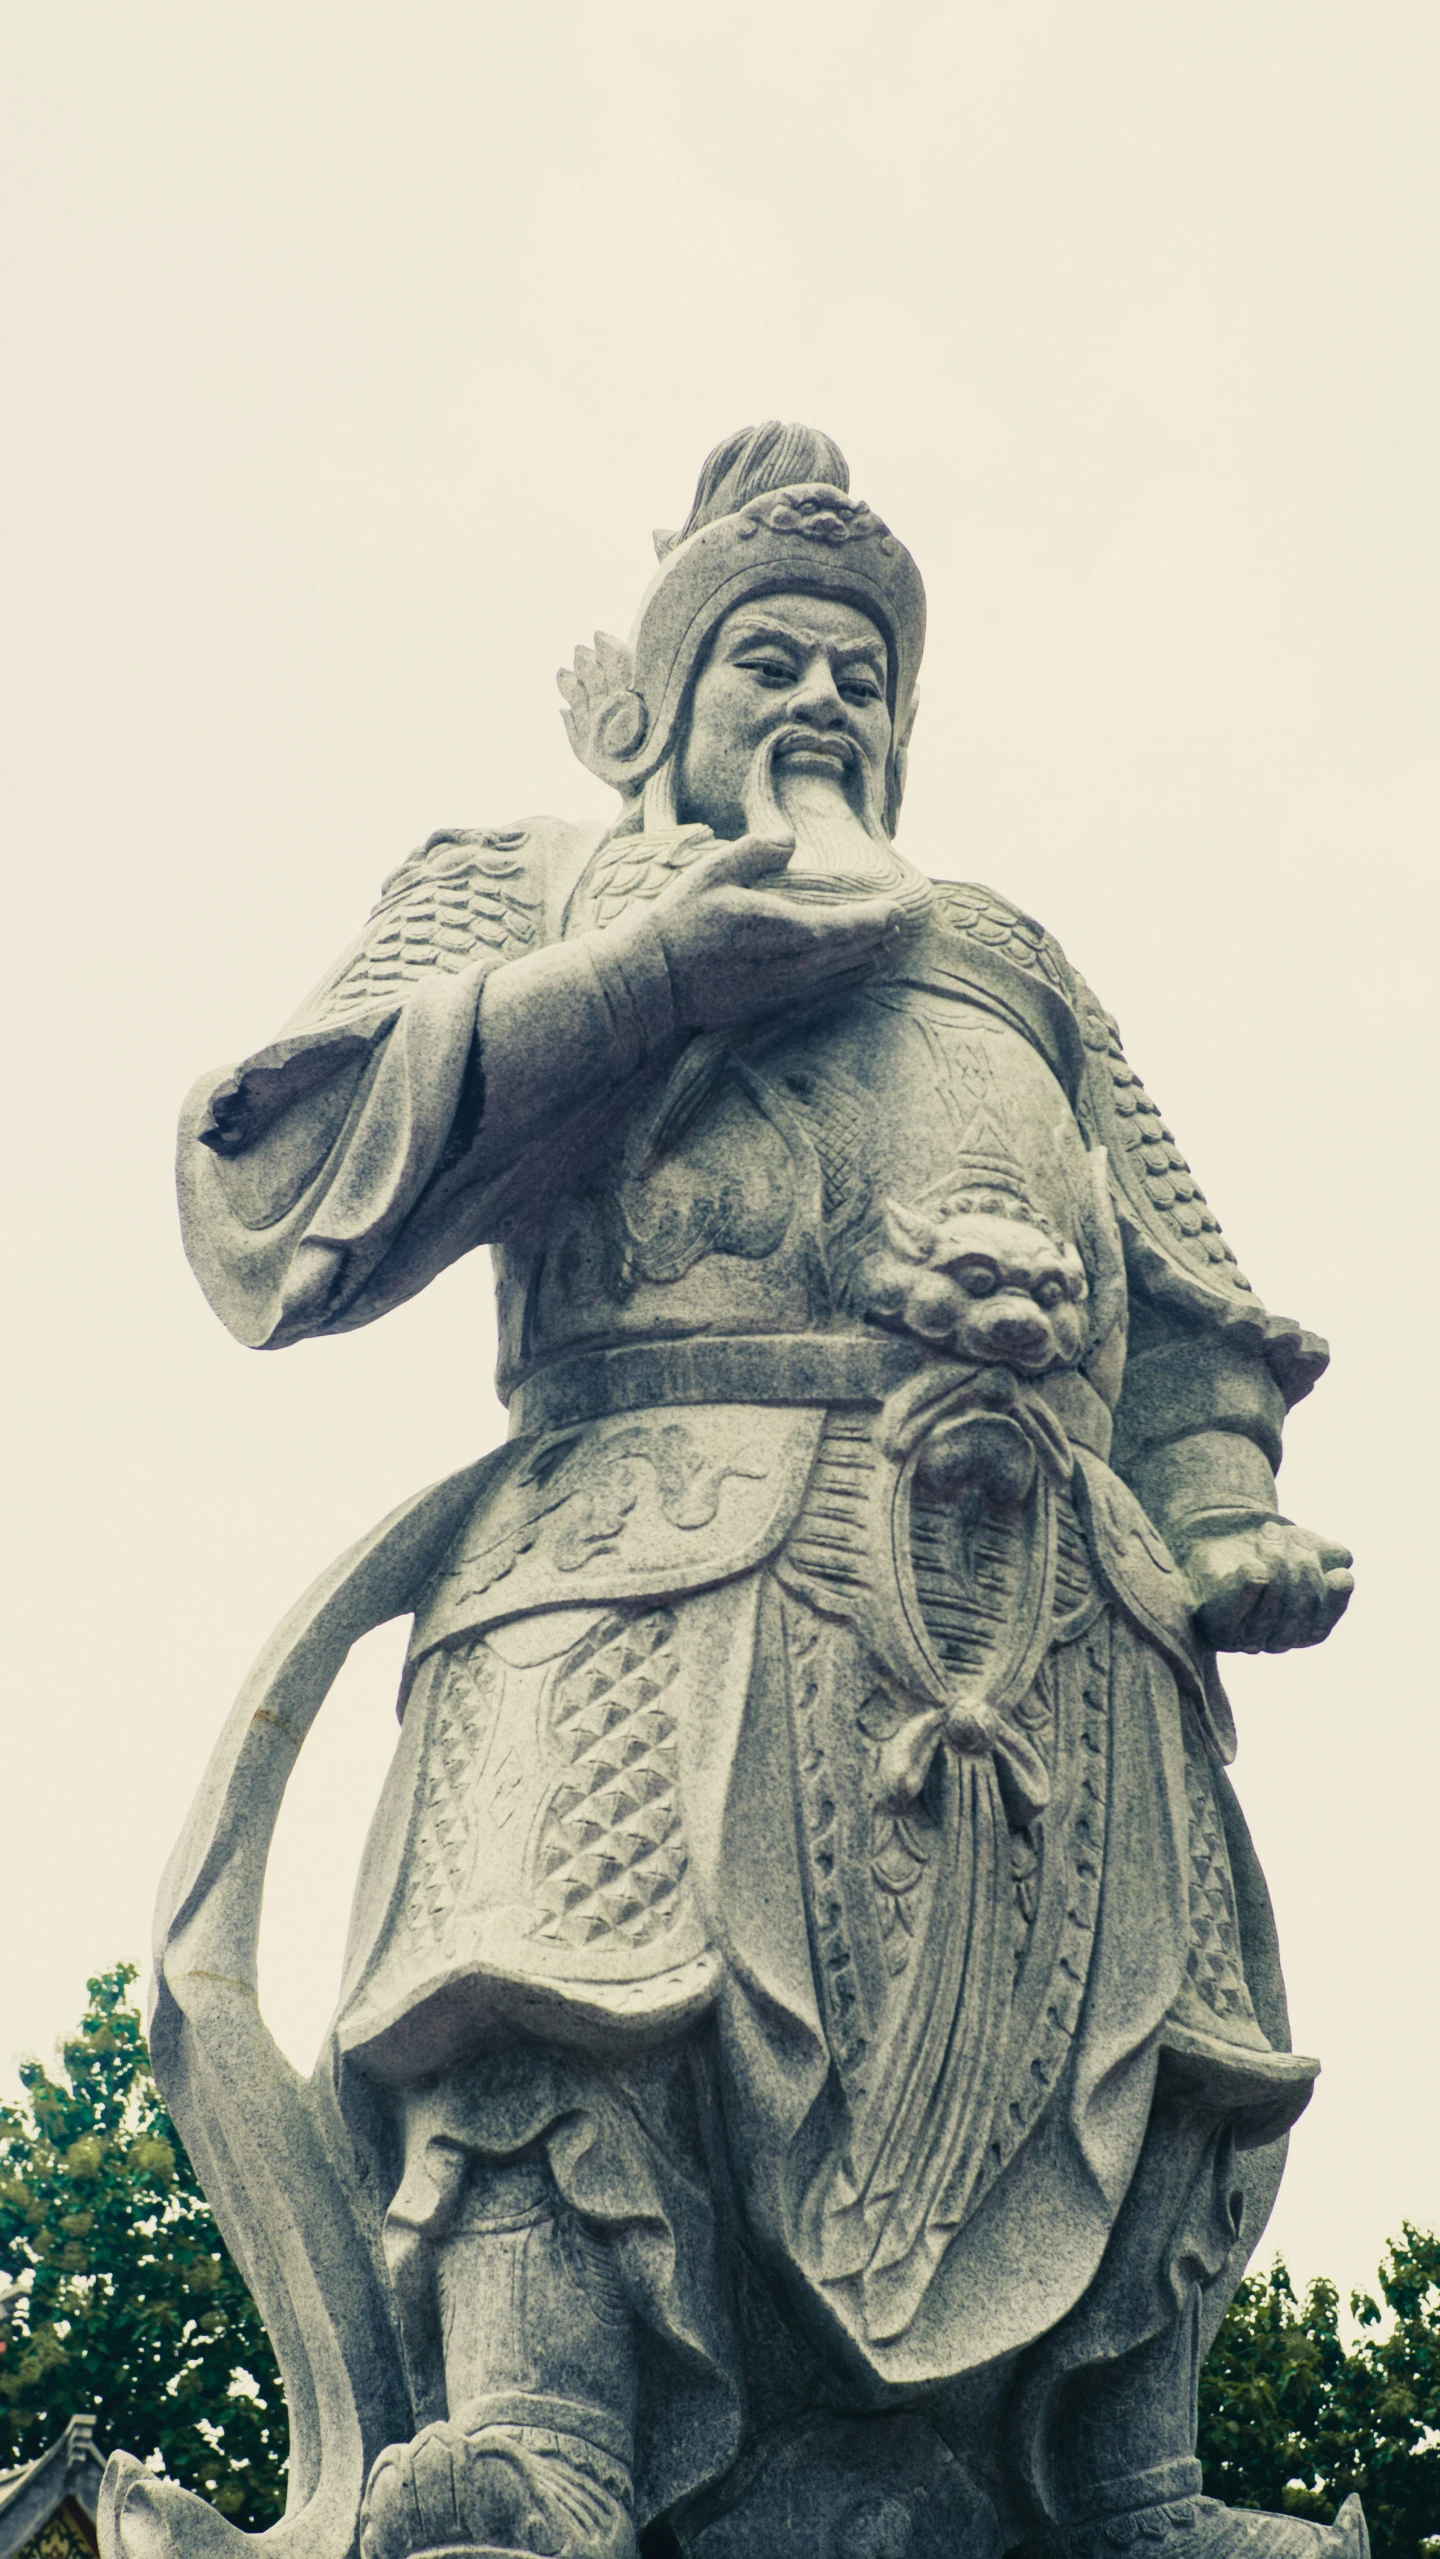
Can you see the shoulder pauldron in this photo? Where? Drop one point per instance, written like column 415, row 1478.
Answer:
column 1174, row 1248
column 1173, row 1242
column 465, row 895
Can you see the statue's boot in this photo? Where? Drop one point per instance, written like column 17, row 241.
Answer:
column 1229, row 2532
column 539, row 2362
column 1109, row 2438
column 1198, row 2528
column 477, row 2489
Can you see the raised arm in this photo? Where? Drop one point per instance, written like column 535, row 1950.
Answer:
column 466, row 1054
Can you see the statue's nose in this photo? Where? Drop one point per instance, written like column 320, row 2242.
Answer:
column 1016, row 1330
column 817, row 700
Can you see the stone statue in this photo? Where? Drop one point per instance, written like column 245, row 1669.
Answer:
column 812, row 2059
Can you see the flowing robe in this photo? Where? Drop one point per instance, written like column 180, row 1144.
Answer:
column 690, row 1747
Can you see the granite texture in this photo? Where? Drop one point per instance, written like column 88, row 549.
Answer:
column 812, row 2059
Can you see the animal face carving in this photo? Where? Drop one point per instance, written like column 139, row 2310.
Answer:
column 980, row 1283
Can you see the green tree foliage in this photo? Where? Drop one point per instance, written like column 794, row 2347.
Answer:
column 1291, row 2420
column 130, row 2308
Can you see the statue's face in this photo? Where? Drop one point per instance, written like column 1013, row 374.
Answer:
column 792, row 663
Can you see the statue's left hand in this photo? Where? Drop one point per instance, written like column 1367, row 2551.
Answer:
column 1267, row 1587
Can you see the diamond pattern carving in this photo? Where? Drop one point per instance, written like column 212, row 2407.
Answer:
column 466, row 1688
column 1214, row 1961
column 611, row 1852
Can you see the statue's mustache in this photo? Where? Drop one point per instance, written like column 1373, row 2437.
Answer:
column 793, row 734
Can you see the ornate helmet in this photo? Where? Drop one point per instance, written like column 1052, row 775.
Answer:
column 772, row 514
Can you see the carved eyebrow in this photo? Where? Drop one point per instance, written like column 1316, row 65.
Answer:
column 748, row 635
column 773, row 635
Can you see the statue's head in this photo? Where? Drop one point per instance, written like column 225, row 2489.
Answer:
column 782, row 630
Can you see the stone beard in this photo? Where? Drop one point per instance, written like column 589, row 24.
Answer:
column 812, row 2061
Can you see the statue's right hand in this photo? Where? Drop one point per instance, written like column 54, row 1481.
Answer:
column 737, row 951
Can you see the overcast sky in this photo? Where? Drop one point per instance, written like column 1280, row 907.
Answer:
column 351, row 353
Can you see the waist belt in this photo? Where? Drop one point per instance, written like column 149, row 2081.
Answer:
column 757, row 1368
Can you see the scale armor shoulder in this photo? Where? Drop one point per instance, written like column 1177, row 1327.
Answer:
column 467, row 894
column 1173, row 1243
column 990, row 921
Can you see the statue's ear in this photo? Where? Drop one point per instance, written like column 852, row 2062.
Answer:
column 910, row 1231
column 899, row 760
column 604, row 715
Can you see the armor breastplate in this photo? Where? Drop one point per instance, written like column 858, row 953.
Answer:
column 745, row 1192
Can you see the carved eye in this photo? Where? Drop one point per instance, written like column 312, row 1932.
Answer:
column 858, row 685
column 930, row 1307
column 1048, row 1292
column 773, row 672
column 978, row 1279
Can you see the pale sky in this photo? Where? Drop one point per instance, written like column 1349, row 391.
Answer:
column 351, row 353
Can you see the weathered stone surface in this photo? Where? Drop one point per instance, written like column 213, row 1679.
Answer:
column 812, row 2058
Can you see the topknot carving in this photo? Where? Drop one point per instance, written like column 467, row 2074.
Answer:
column 757, row 460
